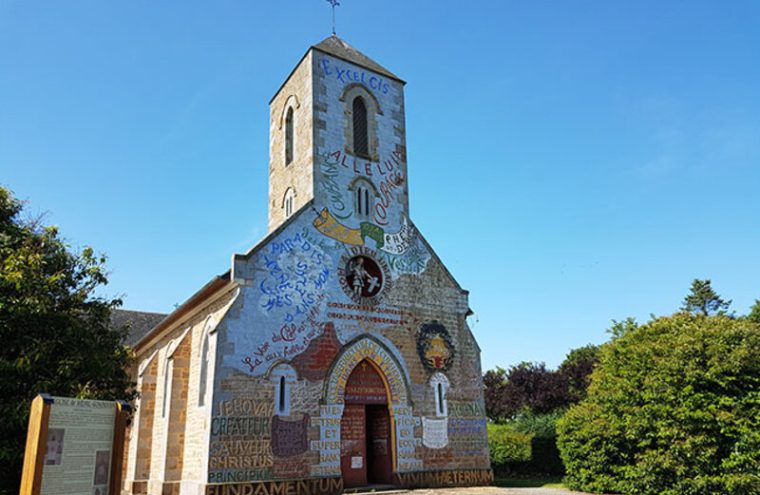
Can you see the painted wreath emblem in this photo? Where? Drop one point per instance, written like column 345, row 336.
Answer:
column 435, row 347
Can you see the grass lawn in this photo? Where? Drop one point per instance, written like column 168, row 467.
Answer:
column 529, row 482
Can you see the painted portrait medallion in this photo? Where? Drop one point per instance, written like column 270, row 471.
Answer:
column 363, row 275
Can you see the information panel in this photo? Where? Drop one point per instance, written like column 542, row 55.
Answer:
column 78, row 448
column 72, row 446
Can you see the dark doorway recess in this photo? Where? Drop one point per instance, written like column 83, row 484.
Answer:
column 366, row 430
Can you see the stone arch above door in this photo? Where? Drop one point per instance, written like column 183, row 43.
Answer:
column 366, row 347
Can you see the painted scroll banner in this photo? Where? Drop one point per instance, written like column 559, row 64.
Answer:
column 399, row 242
column 329, row 226
column 435, row 433
column 396, row 243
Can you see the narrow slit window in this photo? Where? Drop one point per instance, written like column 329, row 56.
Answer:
column 204, row 372
column 366, row 201
column 440, row 399
column 361, row 138
column 167, row 386
column 289, row 137
column 281, row 405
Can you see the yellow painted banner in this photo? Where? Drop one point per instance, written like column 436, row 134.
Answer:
column 329, row 226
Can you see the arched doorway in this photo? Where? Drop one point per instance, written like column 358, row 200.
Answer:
column 390, row 367
column 365, row 428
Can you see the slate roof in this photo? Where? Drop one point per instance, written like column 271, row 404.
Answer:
column 339, row 48
column 140, row 323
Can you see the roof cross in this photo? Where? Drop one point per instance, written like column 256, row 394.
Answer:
column 334, row 4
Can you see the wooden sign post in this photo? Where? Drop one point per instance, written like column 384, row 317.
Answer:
column 74, row 447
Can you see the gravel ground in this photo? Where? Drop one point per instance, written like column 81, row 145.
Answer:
column 492, row 490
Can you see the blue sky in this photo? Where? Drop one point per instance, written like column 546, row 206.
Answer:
column 571, row 162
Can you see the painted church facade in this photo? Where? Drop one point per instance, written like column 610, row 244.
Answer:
column 336, row 352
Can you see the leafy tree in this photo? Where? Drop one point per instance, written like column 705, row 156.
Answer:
column 620, row 328
column 495, row 382
column 703, row 299
column 55, row 332
column 673, row 408
column 576, row 370
column 524, row 388
column 532, row 389
column 754, row 313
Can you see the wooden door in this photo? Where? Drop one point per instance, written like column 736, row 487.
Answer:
column 353, row 446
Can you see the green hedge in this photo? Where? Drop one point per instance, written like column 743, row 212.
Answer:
column 508, row 446
column 526, row 445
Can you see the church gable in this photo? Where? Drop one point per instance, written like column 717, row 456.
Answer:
column 301, row 278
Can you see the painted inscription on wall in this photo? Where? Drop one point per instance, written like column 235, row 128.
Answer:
column 314, row 486
column 406, row 441
column 468, row 436
column 365, row 348
column 412, row 262
column 296, row 272
column 435, row 432
column 365, row 386
column 240, row 447
column 439, row 479
column 347, row 75
column 292, row 277
column 394, row 243
column 328, row 444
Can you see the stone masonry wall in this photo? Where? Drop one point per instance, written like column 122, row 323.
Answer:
column 296, row 93
column 169, row 453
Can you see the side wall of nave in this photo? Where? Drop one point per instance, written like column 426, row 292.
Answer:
column 167, row 439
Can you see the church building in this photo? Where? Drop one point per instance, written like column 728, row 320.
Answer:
column 335, row 353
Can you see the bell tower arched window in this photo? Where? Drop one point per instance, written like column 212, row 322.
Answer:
column 289, row 137
column 362, row 113
column 362, row 201
column 361, row 137
column 287, row 202
column 365, row 195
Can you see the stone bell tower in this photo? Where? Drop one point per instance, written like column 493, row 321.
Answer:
column 337, row 136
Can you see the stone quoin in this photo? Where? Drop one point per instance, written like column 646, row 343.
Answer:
column 336, row 352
